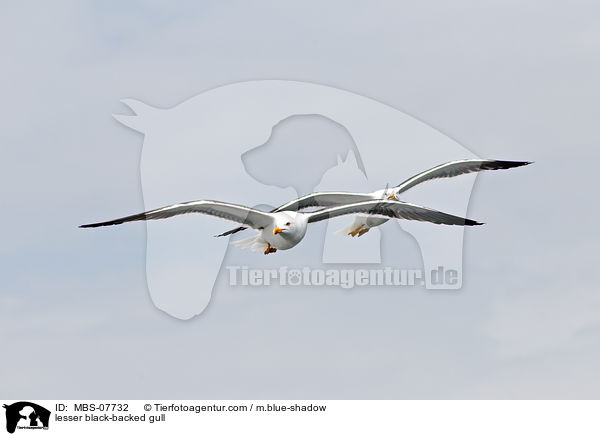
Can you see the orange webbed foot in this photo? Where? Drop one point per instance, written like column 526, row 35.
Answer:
column 363, row 231
column 270, row 249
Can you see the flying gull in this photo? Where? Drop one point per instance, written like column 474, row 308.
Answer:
column 362, row 224
column 285, row 229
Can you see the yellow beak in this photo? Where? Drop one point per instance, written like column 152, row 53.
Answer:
column 392, row 197
column 277, row 230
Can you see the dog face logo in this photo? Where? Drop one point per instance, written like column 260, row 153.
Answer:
column 272, row 141
column 26, row 415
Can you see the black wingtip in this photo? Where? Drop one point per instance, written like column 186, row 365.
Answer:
column 506, row 164
column 231, row 232
column 88, row 226
column 473, row 223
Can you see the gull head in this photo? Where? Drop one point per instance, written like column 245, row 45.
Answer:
column 289, row 224
column 277, row 230
column 385, row 194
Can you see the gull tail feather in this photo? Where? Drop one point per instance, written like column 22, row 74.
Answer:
column 253, row 243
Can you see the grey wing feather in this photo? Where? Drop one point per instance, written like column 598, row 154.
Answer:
column 392, row 209
column 232, row 212
column 316, row 199
column 324, row 199
column 456, row 168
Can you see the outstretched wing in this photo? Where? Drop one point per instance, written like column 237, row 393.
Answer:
column 456, row 168
column 324, row 199
column 392, row 209
column 232, row 212
column 316, row 199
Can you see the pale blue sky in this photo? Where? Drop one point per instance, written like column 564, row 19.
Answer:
column 509, row 80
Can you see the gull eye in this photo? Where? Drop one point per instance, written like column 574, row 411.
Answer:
column 288, row 224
